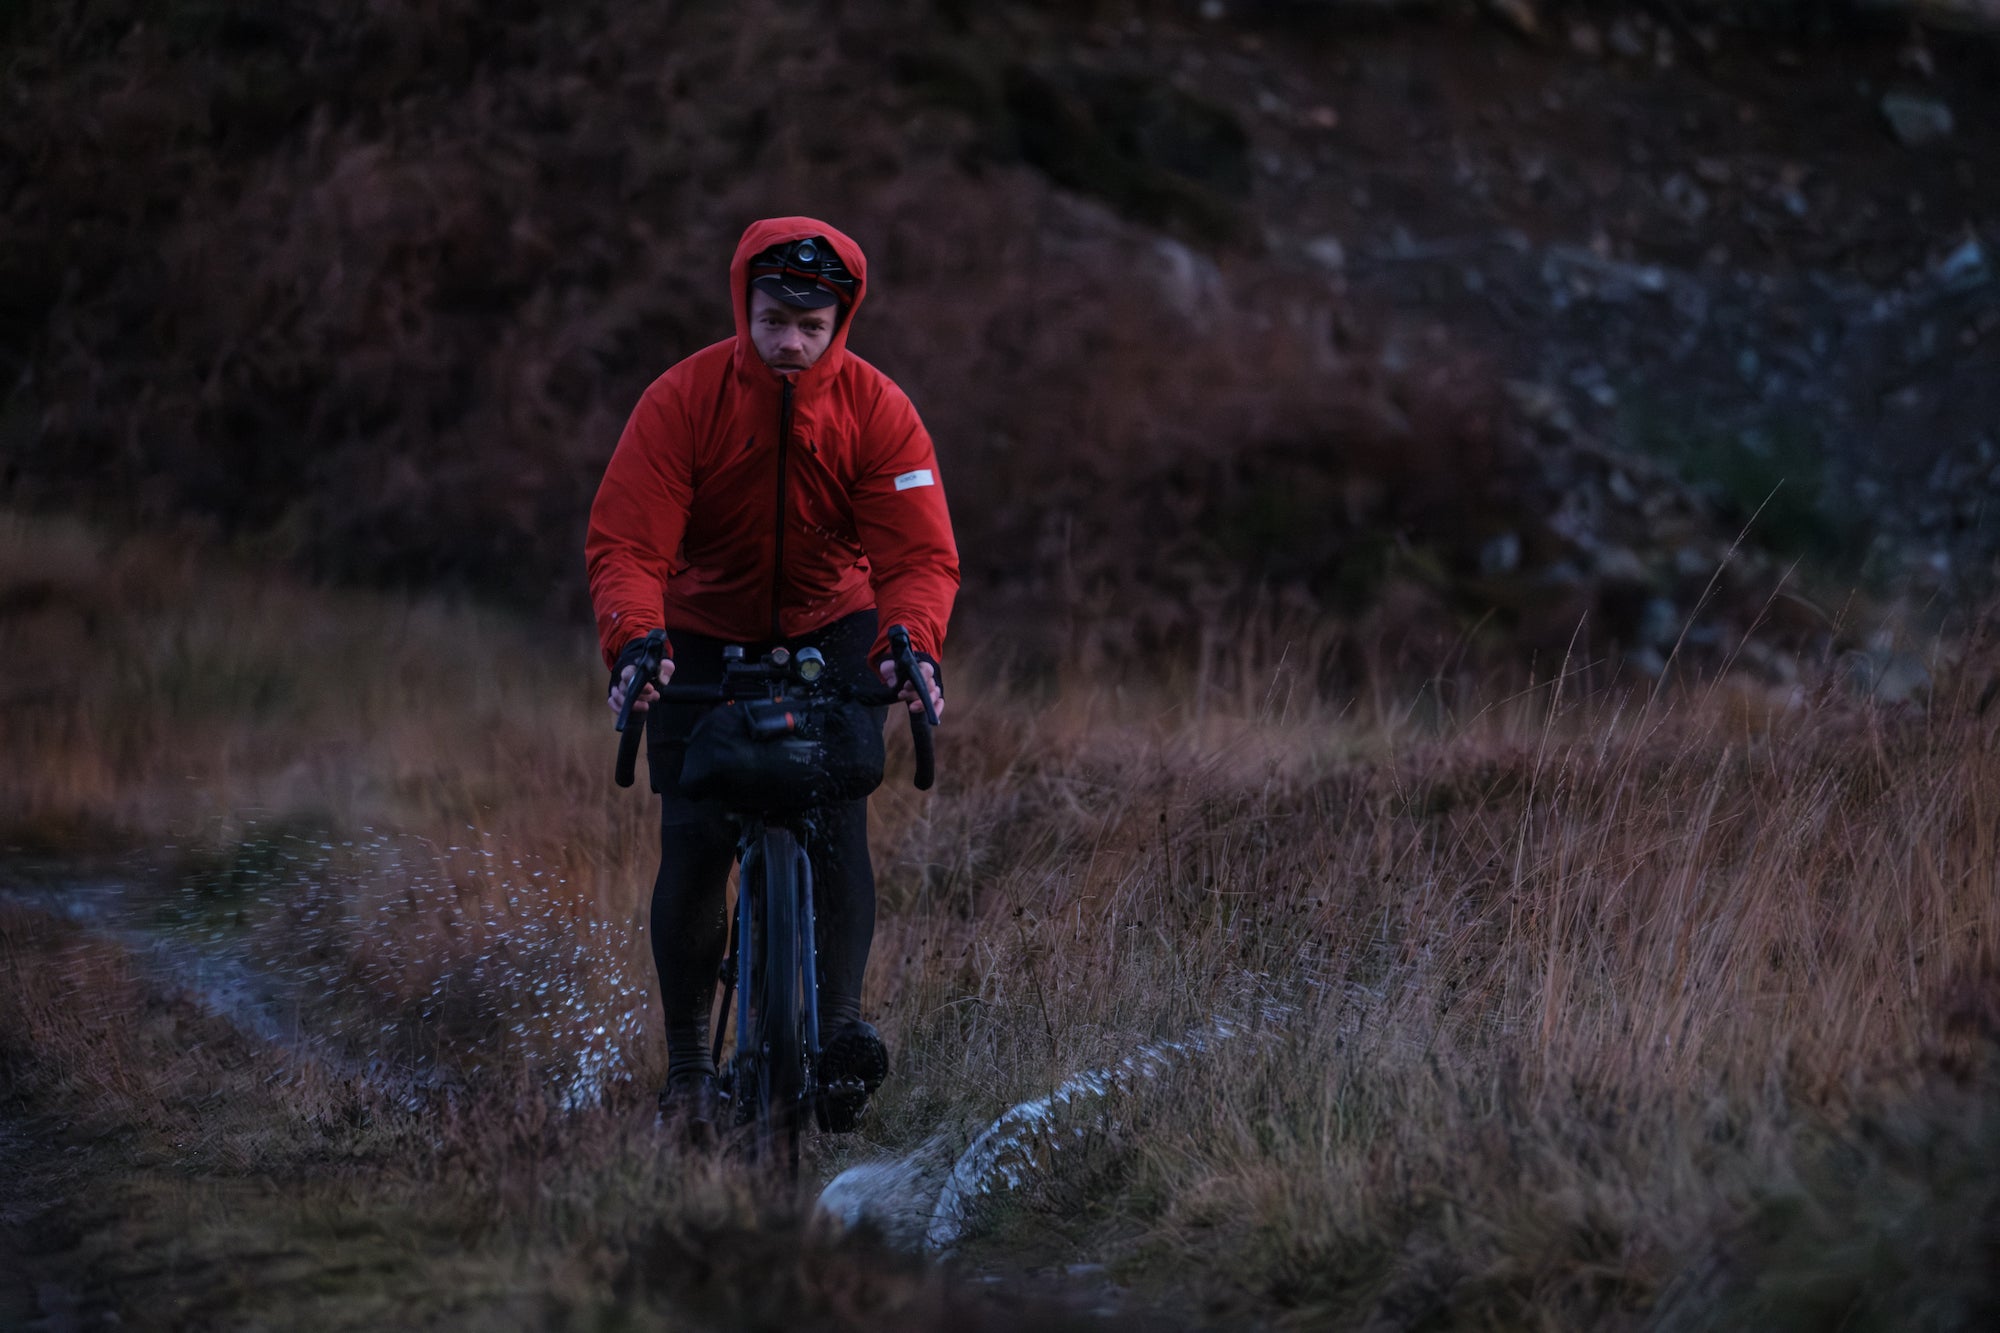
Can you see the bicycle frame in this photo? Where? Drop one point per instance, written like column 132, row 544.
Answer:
column 751, row 958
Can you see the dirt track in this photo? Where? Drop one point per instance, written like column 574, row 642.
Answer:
column 133, row 1201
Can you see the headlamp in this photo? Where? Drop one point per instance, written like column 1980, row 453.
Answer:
column 810, row 665
column 813, row 259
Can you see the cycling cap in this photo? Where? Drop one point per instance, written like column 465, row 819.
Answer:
column 807, row 274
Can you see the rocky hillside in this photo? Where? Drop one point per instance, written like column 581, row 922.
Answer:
column 1444, row 326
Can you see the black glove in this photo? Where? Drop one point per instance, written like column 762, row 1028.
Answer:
column 630, row 655
column 937, row 671
column 937, row 677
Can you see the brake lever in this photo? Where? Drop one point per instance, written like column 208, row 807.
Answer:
column 920, row 723
column 906, row 667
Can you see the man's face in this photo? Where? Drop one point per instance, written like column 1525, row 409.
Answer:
column 788, row 338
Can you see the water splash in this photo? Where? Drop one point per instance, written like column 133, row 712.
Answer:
column 895, row 1198
column 266, row 940
column 911, row 1206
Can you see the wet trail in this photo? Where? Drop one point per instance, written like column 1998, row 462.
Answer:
column 260, row 1003
column 922, row 1202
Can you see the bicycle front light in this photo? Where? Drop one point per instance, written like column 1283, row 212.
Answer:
column 810, row 665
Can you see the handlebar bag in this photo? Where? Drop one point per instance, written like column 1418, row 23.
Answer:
column 791, row 756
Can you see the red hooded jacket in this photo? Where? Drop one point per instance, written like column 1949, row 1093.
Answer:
column 748, row 505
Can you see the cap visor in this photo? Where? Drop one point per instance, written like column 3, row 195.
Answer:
column 795, row 291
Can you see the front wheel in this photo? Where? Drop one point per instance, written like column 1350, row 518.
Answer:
column 777, row 1016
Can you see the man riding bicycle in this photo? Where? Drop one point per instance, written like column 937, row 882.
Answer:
column 771, row 490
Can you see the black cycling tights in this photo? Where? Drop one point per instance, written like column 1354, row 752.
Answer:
column 690, row 924
column 691, row 928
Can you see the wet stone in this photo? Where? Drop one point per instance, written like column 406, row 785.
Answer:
column 1915, row 119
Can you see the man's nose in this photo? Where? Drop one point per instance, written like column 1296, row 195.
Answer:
column 792, row 337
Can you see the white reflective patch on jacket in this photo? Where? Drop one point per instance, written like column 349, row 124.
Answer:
column 921, row 477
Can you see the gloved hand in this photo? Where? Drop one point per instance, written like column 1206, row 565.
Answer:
column 626, row 668
column 933, row 674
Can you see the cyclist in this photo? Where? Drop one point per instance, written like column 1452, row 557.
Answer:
column 772, row 489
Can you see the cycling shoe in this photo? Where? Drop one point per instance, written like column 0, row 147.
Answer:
column 691, row 1107
column 852, row 1064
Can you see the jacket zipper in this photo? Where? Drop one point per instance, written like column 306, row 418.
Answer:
column 778, row 543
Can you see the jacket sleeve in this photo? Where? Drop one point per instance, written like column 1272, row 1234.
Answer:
column 904, row 527
column 637, row 521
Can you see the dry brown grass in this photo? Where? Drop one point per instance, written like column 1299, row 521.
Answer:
column 1569, row 993
column 1579, row 1011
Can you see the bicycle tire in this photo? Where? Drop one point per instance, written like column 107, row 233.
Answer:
column 777, row 1015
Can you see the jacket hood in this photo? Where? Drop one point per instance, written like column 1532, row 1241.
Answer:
column 761, row 236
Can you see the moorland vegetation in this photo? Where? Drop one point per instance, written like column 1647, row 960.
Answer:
column 1583, row 1008
column 1555, row 920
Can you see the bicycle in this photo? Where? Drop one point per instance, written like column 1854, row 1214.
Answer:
column 770, row 969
